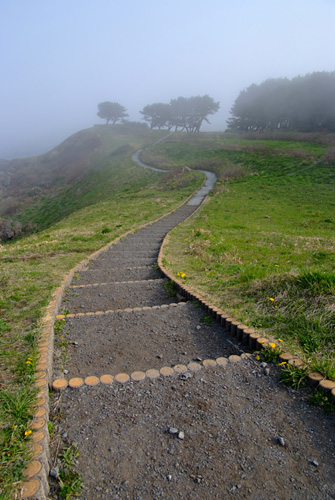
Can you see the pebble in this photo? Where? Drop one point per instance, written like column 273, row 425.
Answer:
column 169, row 477
column 267, row 371
column 181, row 435
column 263, row 364
column 281, row 441
column 173, row 430
column 198, row 327
column 314, row 462
column 54, row 472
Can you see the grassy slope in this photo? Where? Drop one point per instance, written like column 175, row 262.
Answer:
column 263, row 247
column 119, row 196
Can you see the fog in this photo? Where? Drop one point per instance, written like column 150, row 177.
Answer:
column 60, row 59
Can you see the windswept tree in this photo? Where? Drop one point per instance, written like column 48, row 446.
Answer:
column 183, row 113
column 111, row 112
column 190, row 113
column 158, row 115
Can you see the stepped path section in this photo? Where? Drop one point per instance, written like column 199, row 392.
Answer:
column 164, row 404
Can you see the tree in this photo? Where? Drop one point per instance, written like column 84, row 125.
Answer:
column 305, row 103
column 157, row 114
column 111, row 111
column 189, row 113
column 182, row 113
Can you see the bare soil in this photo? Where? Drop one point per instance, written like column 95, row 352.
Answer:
column 221, row 432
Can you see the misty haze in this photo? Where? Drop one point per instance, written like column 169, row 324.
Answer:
column 65, row 59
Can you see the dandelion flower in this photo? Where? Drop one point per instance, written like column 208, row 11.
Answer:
column 27, row 432
column 283, row 363
column 280, row 340
column 28, row 362
column 272, row 299
column 273, row 345
column 258, row 357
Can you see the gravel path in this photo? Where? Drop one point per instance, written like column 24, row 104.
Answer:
column 202, row 430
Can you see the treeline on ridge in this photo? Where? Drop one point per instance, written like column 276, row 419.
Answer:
column 183, row 113
column 305, row 103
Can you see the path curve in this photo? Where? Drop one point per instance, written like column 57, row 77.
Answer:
column 201, row 194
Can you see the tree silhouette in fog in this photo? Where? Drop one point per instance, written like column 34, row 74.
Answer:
column 111, row 111
column 183, row 113
column 305, row 103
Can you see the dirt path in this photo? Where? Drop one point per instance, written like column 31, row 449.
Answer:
column 162, row 422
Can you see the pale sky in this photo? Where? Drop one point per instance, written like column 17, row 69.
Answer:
column 59, row 59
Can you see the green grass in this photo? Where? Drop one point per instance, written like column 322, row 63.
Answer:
column 263, row 245
column 322, row 399
column 119, row 197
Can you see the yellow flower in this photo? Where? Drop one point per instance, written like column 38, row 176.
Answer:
column 272, row 299
column 27, row 432
column 273, row 345
column 258, row 357
column 28, row 362
column 283, row 363
column 276, row 265
column 261, row 341
column 280, row 340
column 63, row 319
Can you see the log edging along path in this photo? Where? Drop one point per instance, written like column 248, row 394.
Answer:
column 37, row 471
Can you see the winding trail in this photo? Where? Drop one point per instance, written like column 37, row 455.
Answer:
column 163, row 405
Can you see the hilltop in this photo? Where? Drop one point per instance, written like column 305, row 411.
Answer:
column 38, row 191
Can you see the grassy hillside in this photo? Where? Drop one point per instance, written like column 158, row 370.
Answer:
column 39, row 191
column 113, row 196
column 263, row 247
